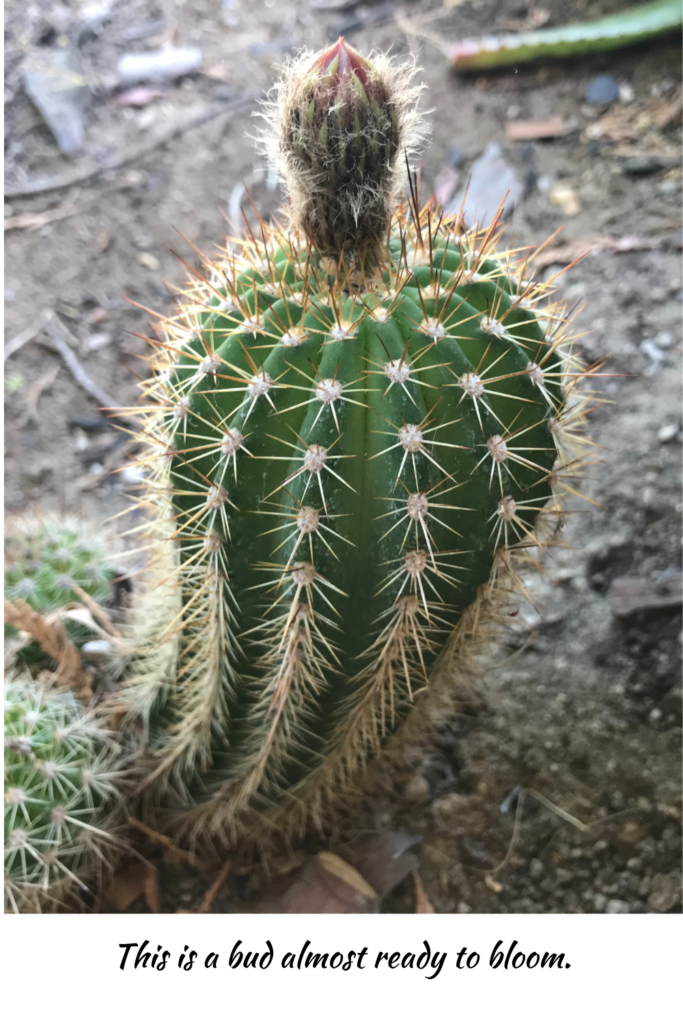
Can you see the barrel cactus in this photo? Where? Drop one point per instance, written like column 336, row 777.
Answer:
column 358, row 416
column 62, row 796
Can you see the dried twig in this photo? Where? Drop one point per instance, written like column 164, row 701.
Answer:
column 34, row 393
column 28, row 334
column 39, row 218
column 209, row 113
column 96, row 611
column 423, row 904
column 212, row 892
column 57, row 343
column 54, row 640
column 168, row 844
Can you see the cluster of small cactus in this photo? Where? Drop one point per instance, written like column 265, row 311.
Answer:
column 45, row 561
column 62, row 802
column 359, row 418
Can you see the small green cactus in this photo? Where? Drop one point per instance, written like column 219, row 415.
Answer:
column 356, row 424
column 44, row 560
column 62, row 796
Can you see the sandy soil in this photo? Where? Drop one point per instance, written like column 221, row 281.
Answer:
column 583, row 707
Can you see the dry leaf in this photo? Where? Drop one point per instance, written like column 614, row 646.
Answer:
column 131, row 883
column 325, row 885
column 576, row 248
column 632, row 123
column 630, row 596
column 384, row 860
column 53, row 639
column 342, row 869
column 422, row 903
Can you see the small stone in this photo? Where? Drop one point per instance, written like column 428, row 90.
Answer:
column 536, row 868
column 626, row 93
column 617, row 907
column 56, row 84
column 147, row 259
column 650, row 164
column 599, row 902
column 96, row 648
column 94, row 342
column 602, row 89
column 665, row 892
column 159, row 65
column 417, row 790
column 449, row 807
column 667, row 433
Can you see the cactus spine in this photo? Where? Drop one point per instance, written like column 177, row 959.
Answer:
column 353, row 425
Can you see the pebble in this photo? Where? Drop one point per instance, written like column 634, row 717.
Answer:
column 536, row 868
column 97, row 341
column 665, row 892
column 158, row 65
column 149, row 260
column 667, row 433
column 449, row 807
column 649, row 164
column 617, row 907
column 602, row 89
column 96, row 648
column 626, row 93
column 654, row 353
column 417, row 790
column 54, row 80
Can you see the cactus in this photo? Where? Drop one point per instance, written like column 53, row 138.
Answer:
column 358, row 419
column 45, row 559
column 62, row 798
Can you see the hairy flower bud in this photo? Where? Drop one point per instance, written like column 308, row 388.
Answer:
column 343, row 126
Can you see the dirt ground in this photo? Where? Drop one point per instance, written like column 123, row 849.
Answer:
column 572, row 748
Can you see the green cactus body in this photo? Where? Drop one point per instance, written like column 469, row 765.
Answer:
column 346, row 451
column 60, row 796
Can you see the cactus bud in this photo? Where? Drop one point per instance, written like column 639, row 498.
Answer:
column 341, row 128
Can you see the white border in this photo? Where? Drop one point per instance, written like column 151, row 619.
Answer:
column 66, row 969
